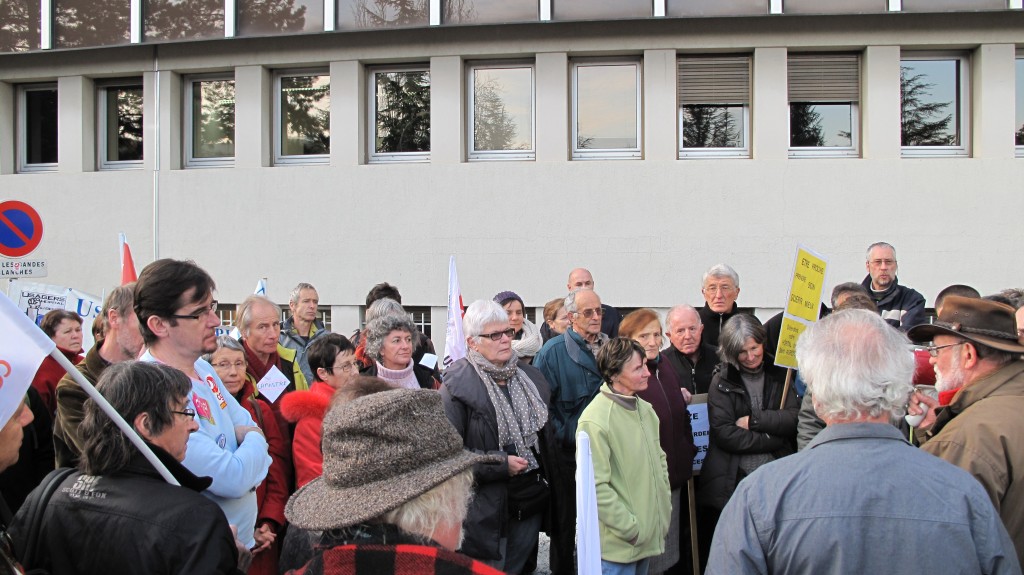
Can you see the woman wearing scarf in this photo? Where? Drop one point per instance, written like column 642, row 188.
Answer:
column 498, row 404
column 527, row 340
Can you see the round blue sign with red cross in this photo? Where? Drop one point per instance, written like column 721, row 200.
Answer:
column 21, row 229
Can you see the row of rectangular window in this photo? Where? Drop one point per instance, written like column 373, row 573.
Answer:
column 87, row 23
column 713, row 119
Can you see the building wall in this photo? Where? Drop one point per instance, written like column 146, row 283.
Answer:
column 646, row 228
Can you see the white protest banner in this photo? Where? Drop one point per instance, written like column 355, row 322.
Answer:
column 35, row 300
column 701, row 427
column 273, row 384
column 22, row 348
column 588, row 537
column 454, row 339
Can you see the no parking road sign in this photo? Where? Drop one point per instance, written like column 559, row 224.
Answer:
column 21, row 229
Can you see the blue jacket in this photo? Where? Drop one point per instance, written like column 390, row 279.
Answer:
column 572, row 374
column 860, row 499
column 290, row 339
column 236, row 469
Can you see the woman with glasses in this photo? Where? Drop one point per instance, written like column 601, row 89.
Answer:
column 334, row 365
column 272, row 494
column 499, row 405
column 664, row 393
column 527, row 341
column 751, row 423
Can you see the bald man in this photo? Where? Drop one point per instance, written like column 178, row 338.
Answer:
column 581, row 278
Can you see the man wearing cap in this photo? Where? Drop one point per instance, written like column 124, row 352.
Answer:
column 899, row 305
column 974, row 346
column 394, row 491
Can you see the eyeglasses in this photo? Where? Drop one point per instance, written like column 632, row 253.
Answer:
column 496, row 336
column 227, row 365
column 189, row 413
column 589, row 313
column 348, row 366
column 212, row 308
column 878, row 263
column 716, row 289
column 933, row 350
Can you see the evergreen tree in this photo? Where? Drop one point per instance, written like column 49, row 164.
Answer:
column 403, row 112
column 493, row 128
column 922, row 119
column 805, row 126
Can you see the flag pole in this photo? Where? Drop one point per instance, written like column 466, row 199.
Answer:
column 119, row 421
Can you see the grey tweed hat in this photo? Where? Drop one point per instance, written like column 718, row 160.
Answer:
column 380, row 451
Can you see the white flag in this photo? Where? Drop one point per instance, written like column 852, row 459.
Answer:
column 588, row 539
column 454, row 340
column 22, row 348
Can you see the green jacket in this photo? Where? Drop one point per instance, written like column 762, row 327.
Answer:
column 634, row 502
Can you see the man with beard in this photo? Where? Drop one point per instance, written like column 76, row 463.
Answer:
column 975, row 348
column 899, row 305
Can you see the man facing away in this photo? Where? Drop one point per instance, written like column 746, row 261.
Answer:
column 859, row 499
column 302, row 327
column 177, row 313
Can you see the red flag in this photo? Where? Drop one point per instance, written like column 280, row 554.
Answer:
column 127, row 265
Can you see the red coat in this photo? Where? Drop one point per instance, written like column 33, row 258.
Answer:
column 306, row 410
column 48, row 375
column 272, row 494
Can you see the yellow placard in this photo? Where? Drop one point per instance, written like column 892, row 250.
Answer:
column 808, row 283
column 785, row 354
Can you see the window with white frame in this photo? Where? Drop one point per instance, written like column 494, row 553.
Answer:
column 119, row 122
column 501, row 111
column 714, row 106
column 37, row 128
column 824, row 91
column 302, row 108
column 606, row 111
column 399, row 114
column 420, row 316
column 1018, row 132
column 210, row 118
column 934, row 104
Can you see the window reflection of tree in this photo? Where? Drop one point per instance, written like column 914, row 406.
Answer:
column 215, row 133
column 307, row 117
column 712, row 126
column 184, row 19
column 129, row 123
column 19, row 25
column 390, row 13
column 493, row 127
column 922, row 120
column 403, row 112
column 80, row 23
column 805, row 129
column 270, row 16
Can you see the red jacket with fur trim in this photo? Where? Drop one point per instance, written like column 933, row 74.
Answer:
column 306, row 410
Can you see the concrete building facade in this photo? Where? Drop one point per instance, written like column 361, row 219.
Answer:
column 599, row 170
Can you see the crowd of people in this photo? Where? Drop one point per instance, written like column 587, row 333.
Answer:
column 296, row 449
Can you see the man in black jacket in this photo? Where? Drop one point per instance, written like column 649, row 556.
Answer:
column 720, row 286
column 899, row 305
column 691, row 358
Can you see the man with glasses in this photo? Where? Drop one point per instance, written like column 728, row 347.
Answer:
column 975, row 347
column 177, row 314
column 899, row 305
column 582, row 278
column 569, row 363
column 720, row 286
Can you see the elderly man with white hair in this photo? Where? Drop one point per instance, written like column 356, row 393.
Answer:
column 860, row 499
column 720, row 287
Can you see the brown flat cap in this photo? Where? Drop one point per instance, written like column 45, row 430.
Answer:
column 380, row 451
column 978, row 320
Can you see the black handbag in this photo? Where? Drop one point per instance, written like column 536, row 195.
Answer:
column 528, row 494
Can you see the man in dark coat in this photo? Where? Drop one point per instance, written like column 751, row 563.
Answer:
column 690, row 359
column 720, row 286
column 899, row 305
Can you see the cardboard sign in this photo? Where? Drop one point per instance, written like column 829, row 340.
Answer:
column 273, row 384
column 792, row 328
column 701, row 427
column 803, row 304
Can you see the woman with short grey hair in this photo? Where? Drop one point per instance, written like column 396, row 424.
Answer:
column 751, row 424
column 499, row 404
column 390, row 340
